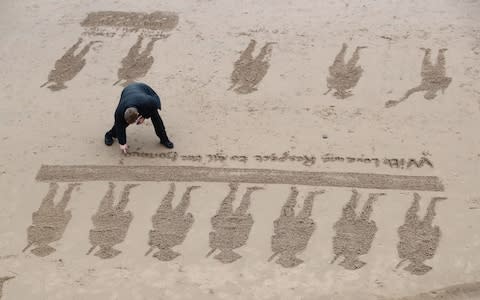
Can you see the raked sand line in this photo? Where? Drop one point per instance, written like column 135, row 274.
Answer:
column 66, row 173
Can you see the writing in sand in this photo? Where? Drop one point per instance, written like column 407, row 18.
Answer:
column 305, row 159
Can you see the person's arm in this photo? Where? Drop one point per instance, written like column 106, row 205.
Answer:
column 122, row 136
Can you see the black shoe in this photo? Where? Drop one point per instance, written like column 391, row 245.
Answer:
column 167, row 144
column 108, row 139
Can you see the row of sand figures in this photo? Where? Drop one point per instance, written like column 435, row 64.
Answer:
column 355, row 233
column 249, row 71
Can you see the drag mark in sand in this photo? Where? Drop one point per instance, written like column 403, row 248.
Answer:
column 344, row 76
column 136, row 64
column 292, row 232
column 465, row 291
column 170, row 225
column 354, row 234
column 254, row 176
column 231, row 228
column 434, row 78
column 131, row 21
column 110, row 223
column 249, row 71
column 68, row 66
column 2, row 282
column 49, row 221
column 418, row 238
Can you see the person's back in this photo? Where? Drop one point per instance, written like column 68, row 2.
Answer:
column 142, row 97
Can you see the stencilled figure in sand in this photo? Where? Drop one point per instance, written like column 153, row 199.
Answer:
column 171, row 225
column 344, row 76
column 231, row 228
column 2, row 282
column 49, row 221
column 434, row 78
column 419, row 239
column 111, row 223
column 292, row 232
column 68, row 66
column 136, row 64
column 354, row 234
column 249, row 71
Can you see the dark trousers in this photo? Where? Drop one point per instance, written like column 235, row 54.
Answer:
column 157, row 124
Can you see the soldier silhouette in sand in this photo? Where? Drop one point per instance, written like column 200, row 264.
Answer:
column 344, row 76
column 419, row 239
column 434, row 78
column 68, row 66
column 231, row 228
column 354, row 234
column 2, row 282
column 136, row 64
column 292, row 232
column 171, row 225
column 110, row 223
column 49, row 221
column 249, row 71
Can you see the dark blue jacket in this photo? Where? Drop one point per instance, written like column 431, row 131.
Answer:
column 137, row 95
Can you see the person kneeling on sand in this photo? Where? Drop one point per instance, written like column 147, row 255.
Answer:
column 137, row 102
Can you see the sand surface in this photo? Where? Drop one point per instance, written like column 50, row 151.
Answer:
column 323, row 150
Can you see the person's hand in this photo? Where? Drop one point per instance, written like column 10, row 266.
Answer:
column 140, row 120
column 124, row 148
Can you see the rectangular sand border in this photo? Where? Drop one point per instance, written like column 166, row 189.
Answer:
column 57, row 173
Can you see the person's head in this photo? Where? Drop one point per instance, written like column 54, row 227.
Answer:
column 131, row 115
